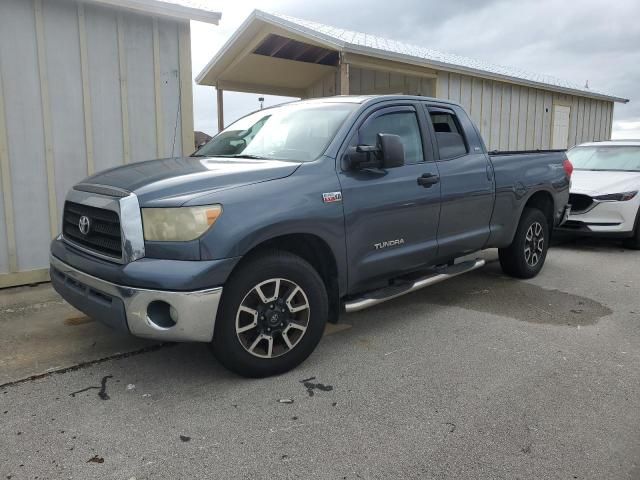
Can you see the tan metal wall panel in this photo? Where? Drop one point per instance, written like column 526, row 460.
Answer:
column 367, row 81
column 531, row 119
column 476, row 101
column 546, row 120
column 496, row 114
column 589, row 133
column 514, row 117
column 539, row 110
column 442, row 88
column 486, row 110
column 573, row 122
column 580, row 120
column 505, row 117
column 454, row 87
column 354, row 80
column 465, row 92
column 522, row 118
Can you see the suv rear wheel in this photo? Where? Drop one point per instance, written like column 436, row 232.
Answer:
column 525, row 256
column 272, row 316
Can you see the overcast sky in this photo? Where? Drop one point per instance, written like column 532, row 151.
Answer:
column 598, row 41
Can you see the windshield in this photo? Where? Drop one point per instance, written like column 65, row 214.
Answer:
column 299, row 132
column 623, row 158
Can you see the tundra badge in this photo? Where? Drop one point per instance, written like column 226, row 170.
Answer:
column 332, row 197
column 389, row 243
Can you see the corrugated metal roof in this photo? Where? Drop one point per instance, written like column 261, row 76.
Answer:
column 200, row 10
column 364, row 43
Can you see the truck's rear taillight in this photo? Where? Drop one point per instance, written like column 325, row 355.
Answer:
column 568, row 167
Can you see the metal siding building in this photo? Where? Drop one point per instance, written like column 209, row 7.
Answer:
column 281, row 55
column 84, row 86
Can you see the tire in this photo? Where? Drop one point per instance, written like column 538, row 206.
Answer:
column 525, row 256
column 633, row 243
column 258, row 338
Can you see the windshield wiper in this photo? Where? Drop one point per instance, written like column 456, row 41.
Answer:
column 247, row 155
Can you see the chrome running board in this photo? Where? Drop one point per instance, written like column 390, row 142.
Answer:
column 379, row 296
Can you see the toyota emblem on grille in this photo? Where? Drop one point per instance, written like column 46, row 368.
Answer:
column 84, row 225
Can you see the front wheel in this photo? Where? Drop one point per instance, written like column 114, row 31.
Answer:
column 273, row 312
column 634, row 242
column 525, row 256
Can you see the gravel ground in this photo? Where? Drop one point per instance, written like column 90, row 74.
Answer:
column 479, row 377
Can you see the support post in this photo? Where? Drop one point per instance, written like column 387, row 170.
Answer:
column 344, row 78
column 220, row 92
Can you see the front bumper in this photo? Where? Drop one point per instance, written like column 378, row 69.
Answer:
column 605, row 217
column 192, row 318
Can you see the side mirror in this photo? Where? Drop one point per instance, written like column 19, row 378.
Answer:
column 391, row 150
column 387, row 153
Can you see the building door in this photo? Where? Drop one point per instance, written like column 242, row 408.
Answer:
column 560, row 135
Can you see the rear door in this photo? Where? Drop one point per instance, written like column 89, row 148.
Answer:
column 466, row 182
column 391, row 219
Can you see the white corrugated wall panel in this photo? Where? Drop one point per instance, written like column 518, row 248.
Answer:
column 51, row 104
column 170, row 83
column 65, row 92
column 25, row 134
column 138, row 41
column 104, row 81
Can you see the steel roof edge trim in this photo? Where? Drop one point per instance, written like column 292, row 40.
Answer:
column 181, row 10
column 289, row 24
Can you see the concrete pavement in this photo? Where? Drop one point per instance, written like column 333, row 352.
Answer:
column 479, row 377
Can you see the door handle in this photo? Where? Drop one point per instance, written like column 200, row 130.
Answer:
column 428, row 179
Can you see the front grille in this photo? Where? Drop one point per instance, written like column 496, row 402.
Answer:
column 579, row 202
column 104, row 236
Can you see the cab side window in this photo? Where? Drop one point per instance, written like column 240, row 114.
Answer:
column 451, row 142
column 403, row 124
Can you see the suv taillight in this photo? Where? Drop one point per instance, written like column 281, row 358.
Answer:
column 568, row 167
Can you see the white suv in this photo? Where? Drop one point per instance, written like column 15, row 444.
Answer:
column 604, row 190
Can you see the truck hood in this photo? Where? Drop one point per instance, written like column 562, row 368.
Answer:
column 604, row 182
column 173, row 181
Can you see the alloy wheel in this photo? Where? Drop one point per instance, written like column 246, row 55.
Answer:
column 272, row 318
column 534, row 244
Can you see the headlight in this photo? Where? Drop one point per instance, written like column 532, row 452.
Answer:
column 617, row 197
column 178, row 224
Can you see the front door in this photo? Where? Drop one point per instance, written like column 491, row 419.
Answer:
column 391, row 219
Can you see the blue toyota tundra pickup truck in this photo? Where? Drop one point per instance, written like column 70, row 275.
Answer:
column 295, row 213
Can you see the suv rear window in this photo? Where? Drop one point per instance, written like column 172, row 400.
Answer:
column 449, row 136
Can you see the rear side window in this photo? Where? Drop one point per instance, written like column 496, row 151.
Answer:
column 403, row 124
column 449, row 138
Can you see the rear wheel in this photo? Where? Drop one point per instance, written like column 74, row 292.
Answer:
column 525, row 256
column 272, row 316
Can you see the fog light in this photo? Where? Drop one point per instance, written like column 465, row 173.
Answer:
column 161, row 314
column 173, row 314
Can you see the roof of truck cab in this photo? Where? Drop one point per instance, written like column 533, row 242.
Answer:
column 371, row 98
